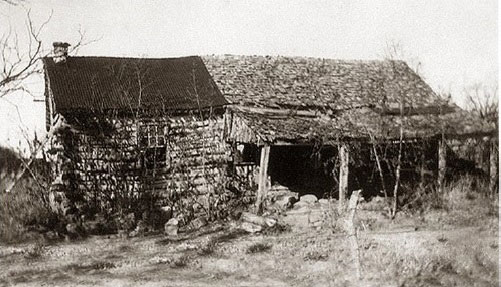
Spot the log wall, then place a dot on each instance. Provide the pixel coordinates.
(178, 161)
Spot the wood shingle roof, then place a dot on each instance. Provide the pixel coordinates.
(297, 99)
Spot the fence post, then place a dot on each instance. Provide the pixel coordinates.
(493, 165)
(442, 163)
(344, 158)
(263, 175)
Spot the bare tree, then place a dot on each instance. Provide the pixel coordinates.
(12, 2)
(19, 61)
(393, 52)
(483, 101)
(21, 53)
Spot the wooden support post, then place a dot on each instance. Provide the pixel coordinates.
(344, 159)
(493, 165)
(442, 164)
(263, 176)
(422, 168)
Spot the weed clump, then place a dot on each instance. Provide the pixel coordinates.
(34, 252)
(207, 249)
(315, 256)
(180, 262)
(258, 248)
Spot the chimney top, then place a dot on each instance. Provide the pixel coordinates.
(61, 44)
(60, 52)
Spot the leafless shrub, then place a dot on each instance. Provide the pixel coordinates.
(483, 101)
(180, 262)
(315, 256)
(207, 248)
(87, 267)
(26, 207)
(35, 251)
(276, 229)
(258, 247)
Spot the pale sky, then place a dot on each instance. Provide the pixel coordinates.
(455, 41)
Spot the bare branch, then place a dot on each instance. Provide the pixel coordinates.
(12, 2)
(483, 101)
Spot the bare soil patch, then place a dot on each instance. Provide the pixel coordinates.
(225, 256)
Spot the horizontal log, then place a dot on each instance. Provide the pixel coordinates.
(277, 112)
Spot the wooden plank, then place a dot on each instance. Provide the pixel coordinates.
(263, 175)
(411, 111)
(344, 158)
(277, 112)
(442, 163)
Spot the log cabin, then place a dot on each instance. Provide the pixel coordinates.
(130, 130)
(183, 128)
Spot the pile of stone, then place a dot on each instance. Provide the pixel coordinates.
(253, 223)
(308, 212)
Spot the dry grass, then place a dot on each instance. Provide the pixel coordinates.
(20, 209)
(258, 247)
(458, 257)
(316, 256)
(456, 245)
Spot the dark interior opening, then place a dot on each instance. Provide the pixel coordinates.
(303, 169)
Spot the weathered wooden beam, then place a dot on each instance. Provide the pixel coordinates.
(344, 159)
(277, 112)
(262, 179)
(442, 163)
(422, 166)
(493, 165)
(411, 111)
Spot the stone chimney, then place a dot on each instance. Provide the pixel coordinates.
(60, 52)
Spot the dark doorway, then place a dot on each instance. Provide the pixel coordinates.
(303, 169)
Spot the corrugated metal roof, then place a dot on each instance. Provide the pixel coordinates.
(105, 83)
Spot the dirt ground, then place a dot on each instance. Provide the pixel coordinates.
(223, 255)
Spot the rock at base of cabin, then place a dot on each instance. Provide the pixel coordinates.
(300, 205)
(258, 220)
(323, 201)
(315, 218)
(286, 202)
(140, 229)
(72, 229)
(171, 227)
(270, 222)
(250, 227)
(198, 223)
(166, 212)
(308, 198)
(284, 198)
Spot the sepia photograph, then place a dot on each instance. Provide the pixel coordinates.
(249, 143)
